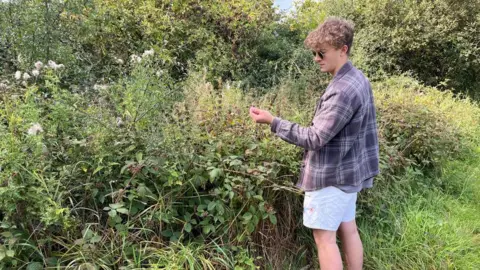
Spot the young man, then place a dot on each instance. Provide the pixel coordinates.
(341, 146)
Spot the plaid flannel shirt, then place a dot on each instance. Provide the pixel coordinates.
(341, 145)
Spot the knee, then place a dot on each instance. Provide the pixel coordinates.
(324, 238)
(348, 229)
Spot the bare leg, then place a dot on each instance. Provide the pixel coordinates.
(351, 245)
(328, 252)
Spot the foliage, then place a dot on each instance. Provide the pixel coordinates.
(434, 40)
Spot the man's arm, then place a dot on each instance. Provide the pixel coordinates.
(335, 112)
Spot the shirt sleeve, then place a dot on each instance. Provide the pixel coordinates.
(334, 113)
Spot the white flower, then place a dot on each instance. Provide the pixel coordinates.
(52, 64)
(38, 65)
(26, 76)
(3, 86)
(118, 61)
(159, 73)
(148, 53)
(20, 58)
(100, 87)
(34, 129)
(18, 75)
(135, 58)
(35, 72)
(119, 121)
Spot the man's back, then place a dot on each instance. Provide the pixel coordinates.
(341, 144)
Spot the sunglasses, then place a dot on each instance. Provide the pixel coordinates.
(319, 54)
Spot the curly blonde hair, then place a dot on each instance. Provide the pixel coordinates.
(334, 31)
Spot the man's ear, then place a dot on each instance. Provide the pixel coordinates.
(345, 49)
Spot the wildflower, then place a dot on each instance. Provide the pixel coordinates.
(34, 129)
(100, 87)
(135, 58)
(148, 53)
(35, 72)
(159, 73)
(119, 121)
(38, 65)
(20, 58)
(26, 76)
(118, 61)
(54, 65)
(18, 75)
(51, 64)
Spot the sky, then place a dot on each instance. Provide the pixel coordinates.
(283, 4)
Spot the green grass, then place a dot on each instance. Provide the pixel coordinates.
(435, 228)
(416, 222)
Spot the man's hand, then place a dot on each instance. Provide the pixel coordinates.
(261, 116)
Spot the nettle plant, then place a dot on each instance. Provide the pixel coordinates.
(143, 156)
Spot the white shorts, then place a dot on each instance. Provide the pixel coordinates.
(328, 207)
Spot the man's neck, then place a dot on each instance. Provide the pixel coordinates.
(339, 66)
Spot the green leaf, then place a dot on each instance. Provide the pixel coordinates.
(122, 210)
(7, 234)
(96, 239)
(206, 229)
(273, 219)
(130, 148)
(87, 233)
(247, 216)
(116, 205)
(211, 206)
(250, 227)
(51, 261)
(215, 173)
(220, 209)
(261, 206)
(188, 227)
(139, 156)
(117, 219)
(98, 169)
(2, 254)
(235, 162)
(112, 213)
(133, 210)
(35, 266)
(258, 197)
(142, 190)
(167, 233)
(121, 227)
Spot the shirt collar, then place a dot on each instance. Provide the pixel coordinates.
(343, 70)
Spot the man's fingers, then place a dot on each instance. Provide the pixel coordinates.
(254, 110)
